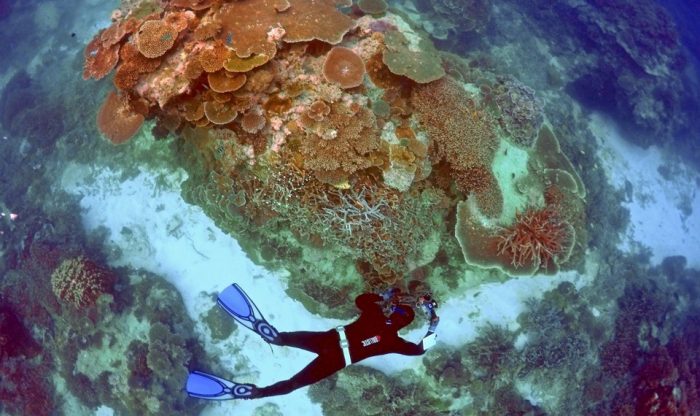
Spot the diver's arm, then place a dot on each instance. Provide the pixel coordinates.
(430, 337)
(404, 347)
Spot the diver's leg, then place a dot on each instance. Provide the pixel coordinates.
(306, 340)
(321, 367)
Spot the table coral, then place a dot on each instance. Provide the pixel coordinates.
(155, 38)
(117, 120)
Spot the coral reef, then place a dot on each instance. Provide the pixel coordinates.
(624, 58)
(447, 18)
(288, 144)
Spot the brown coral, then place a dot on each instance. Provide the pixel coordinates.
(117, 121)
(222, 82)
(155, 38)
(422, 65)
(318, 110)
(219, 113)
(372, 6)
(80, 282)
(252, 122)
(246, 23)
(193, 4)
(342, 145)
(344, 67)
(461, 135)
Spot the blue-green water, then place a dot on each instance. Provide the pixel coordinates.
(434, 172)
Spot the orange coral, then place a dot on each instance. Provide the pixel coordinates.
(460, 135)
(308, 20)
(475, 178)
(260, 80)
(117, 121)
(212, 58)
(99, 59)
(126, 77)
(207, 29)
(115, 33)
(235, 63)
(343, 67)
(155, 38)
(179, 20)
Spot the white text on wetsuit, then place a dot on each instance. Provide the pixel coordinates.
(369, 341)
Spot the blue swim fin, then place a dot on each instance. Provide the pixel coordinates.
(237, 303)
(206, 386)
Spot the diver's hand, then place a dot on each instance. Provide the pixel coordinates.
(428, 340)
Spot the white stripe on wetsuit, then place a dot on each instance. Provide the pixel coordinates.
(344, 345)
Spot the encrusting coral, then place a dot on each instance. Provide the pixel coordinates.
(285, 139)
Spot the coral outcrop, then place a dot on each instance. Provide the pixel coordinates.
(340, 142)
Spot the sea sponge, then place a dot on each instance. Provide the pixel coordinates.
(155, 38)
(344, 67)
(80, 281)
(117, 121)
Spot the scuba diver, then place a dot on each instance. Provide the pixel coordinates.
(372, 334)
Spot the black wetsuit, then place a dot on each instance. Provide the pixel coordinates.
(370, 335)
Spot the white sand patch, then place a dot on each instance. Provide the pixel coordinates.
(151, 227)
(665, 213)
